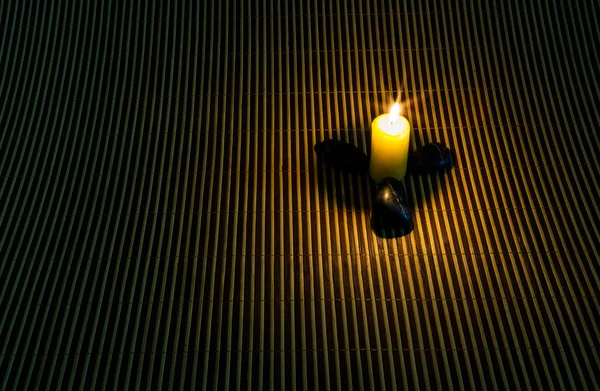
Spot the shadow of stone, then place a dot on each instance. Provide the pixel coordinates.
(344, 190)
(424, 186)
(342, 174)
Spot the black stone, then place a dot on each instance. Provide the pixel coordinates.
(391, 205)
(342, 156)
(429, 159)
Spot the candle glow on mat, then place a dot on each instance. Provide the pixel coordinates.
(390, 137)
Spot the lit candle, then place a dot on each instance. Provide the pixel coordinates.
(390, 136)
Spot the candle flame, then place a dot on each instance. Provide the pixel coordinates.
(394, 112)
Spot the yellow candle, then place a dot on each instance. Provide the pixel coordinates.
(390, 136)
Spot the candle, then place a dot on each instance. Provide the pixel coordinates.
(390, 136)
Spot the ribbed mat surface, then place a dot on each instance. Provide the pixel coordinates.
(164, 220)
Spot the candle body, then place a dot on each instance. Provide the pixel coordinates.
(389, 147)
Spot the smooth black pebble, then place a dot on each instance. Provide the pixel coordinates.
(342, 156)
(391, 204)
(431, 158)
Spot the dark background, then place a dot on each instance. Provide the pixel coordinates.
(164, 220)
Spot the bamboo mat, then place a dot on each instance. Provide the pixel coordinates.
(164, 221)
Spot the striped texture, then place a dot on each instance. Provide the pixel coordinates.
(164, 221)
